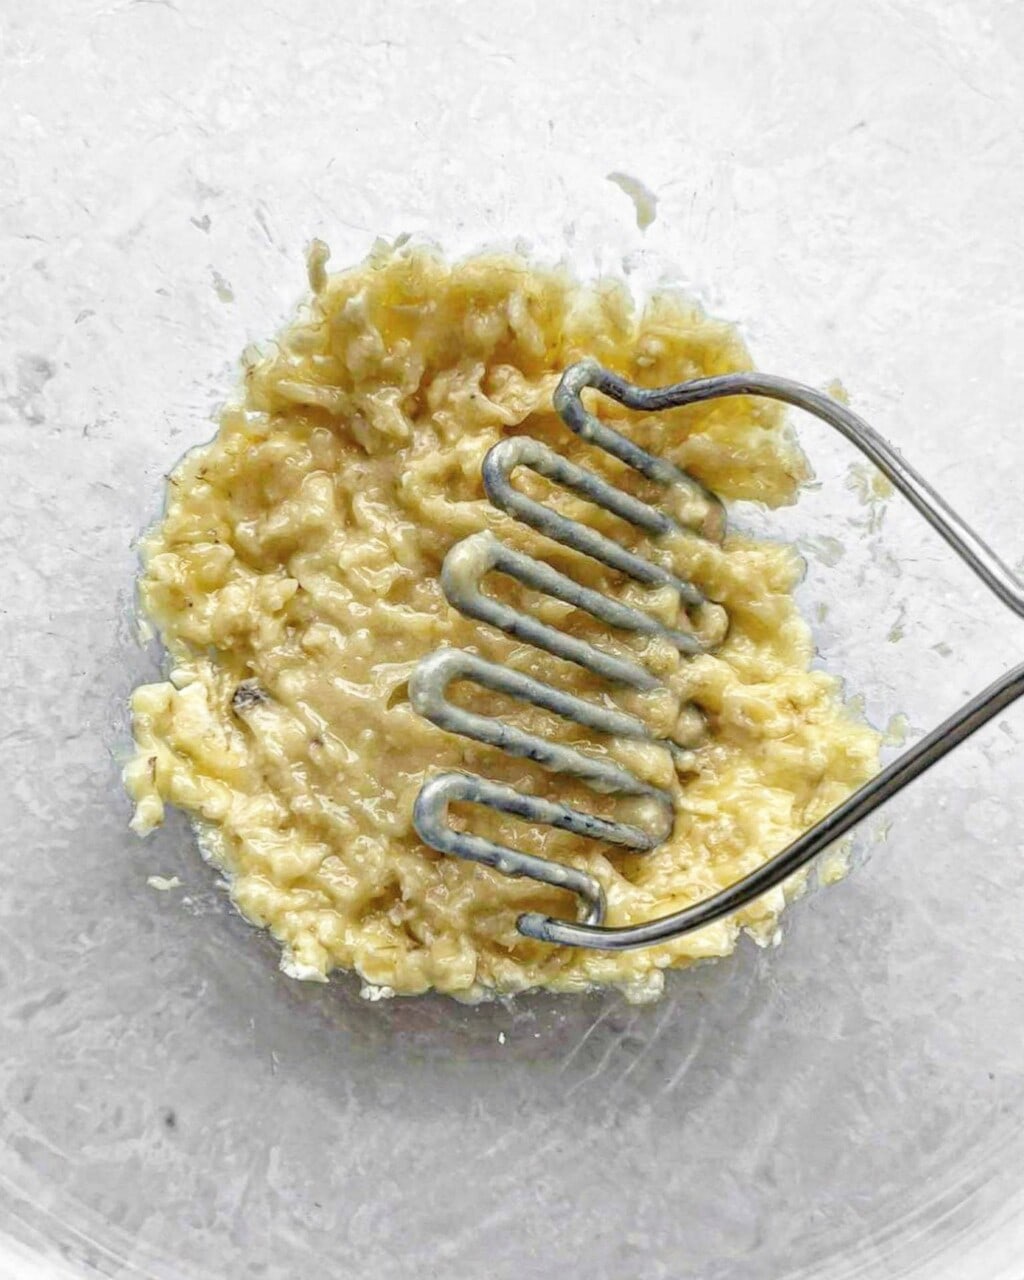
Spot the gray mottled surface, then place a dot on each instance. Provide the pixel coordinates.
(849, 180)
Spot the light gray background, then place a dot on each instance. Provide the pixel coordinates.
(847, 180)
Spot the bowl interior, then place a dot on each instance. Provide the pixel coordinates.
(848, 184)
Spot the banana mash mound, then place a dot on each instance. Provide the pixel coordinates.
(294, 581)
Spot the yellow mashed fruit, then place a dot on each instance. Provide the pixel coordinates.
(294, 580)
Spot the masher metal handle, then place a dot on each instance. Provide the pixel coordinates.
(971, 548)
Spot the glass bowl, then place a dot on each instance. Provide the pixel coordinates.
(848, 183)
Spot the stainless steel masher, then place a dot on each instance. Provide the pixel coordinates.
(469, 562)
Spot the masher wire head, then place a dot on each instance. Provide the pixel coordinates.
(470, 561)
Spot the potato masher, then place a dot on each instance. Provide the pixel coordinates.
(469, 561)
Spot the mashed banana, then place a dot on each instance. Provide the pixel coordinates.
(294, 581)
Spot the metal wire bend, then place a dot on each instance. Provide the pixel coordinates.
(910, 765)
